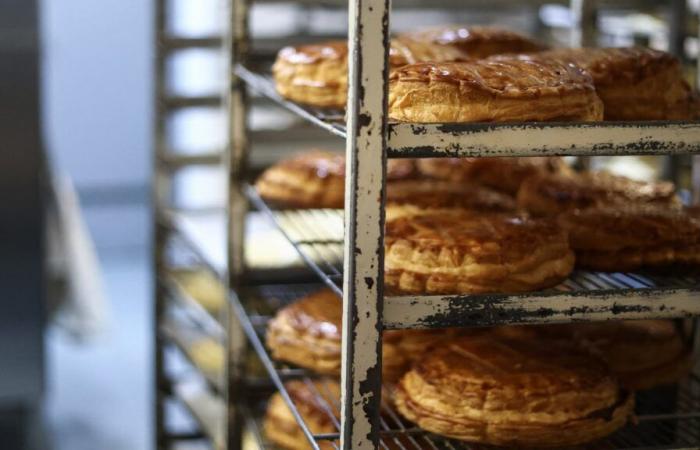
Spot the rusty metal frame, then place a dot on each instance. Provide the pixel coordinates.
(368, 43)
(539, 139)
(236, 162)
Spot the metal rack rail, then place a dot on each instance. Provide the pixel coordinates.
(345, 261)
(504, 139)
(318, 237)
(370, 138)
(661, 424)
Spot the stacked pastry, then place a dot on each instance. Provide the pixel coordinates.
(317, 74)
(493, 225)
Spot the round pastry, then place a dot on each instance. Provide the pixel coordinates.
(634, 83)
(476, 41)
(641, 353)
(317, 74)
(492, 90)
(307, 333)
(317, 403)
(411, 196)
(629, 237)
(316, 179)
(513, 392)
(458, 252)
(503, 174)
(551, 194)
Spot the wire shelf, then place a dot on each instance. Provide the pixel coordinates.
(668, 417)
(504, 139)
(318, 237)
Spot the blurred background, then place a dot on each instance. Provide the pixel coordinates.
(78, 104)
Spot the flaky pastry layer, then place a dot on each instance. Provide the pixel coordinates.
(504, 174)
(552, 194)
(455, 252)
(317, 74)
(307, 333)
(316, 179)
(436, 194)
(628, 237)
(318, 406)
(634, 83)
(515, 393)
(492, 90)
(641, 353)
(476, 41)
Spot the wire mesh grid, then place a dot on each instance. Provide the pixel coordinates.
(332, 120)
(667, 417)
(317, 234)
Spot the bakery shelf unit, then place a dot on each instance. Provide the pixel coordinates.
(345, 251)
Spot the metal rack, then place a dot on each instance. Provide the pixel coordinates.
(351, 263)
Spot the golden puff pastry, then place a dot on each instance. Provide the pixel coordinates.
(316, 179)
(551, 194)
(504, 174)
(629, 237)
(307, 333)
(456, 252)
(641, 353)
(422, 195)
(317, 403)
(476, 41)
(317, 74)
(634, 83)
(514, 393)
(492, 90)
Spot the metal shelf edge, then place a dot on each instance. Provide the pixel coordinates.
(543, 139)
(480, 310)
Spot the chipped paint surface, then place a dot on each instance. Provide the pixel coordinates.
(540, 139)
(449, 311)
(364, 224)
(235, 161)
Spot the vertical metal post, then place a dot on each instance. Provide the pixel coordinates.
(584, 16)
(584, 21)
(364, 223)
(236, 160)
(676, 27)
(678, 9)
(160, 189)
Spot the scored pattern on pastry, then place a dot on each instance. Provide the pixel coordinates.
(456, 252)
(492, 90)
(503, 174)
(519, 392)
(307, 333)
(476, 41)
(551, 194)
(634, 83)
(629, 237)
